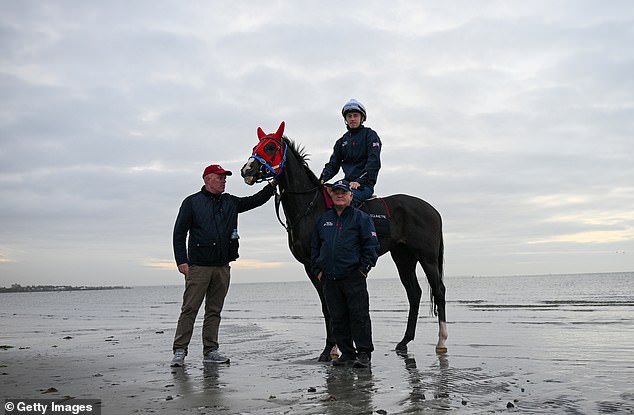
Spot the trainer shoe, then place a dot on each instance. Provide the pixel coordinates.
(215, 357)
(362, 361)
(179, 358)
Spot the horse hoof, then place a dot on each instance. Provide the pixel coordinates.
(441, 349)
(401, 347)
(324, 357)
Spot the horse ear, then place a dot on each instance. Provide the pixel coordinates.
(261, 133)
(280, 131)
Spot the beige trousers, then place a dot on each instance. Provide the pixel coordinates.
(202, 283)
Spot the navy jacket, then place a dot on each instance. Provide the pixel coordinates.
(358, 152)
(210, 221)
(342, 246)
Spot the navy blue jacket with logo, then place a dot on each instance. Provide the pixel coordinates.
(210, 221)
(358, 152)
(342, 246)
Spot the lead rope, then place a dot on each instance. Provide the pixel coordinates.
(278, 200)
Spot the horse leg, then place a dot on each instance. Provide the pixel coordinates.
(330, 349)
(406, 266)
(438, 302)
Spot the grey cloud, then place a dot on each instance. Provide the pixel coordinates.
(513, 120)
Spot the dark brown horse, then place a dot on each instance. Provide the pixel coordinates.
(414, 235)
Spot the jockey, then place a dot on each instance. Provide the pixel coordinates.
(357, 152)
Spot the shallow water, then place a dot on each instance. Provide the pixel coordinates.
(545, 344)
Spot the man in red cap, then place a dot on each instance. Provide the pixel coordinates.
(210, 218)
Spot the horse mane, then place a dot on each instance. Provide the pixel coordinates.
(301, 155)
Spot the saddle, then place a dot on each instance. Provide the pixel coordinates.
(376, 208)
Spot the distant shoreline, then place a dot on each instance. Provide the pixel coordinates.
(304, 280)
(17, 288)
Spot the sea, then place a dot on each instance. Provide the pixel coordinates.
(529, 344)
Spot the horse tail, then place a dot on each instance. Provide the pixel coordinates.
(433, 307)
(441, 258)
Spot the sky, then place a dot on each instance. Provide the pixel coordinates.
(515, 119)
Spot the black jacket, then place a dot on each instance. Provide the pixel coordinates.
(212, 224)
(358, 152)
(342, 246)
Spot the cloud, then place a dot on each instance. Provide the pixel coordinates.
(240, 263)
(256, 264)
(513, 119)
(592, 237)
(160, 264)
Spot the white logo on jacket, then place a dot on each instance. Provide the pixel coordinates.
(328, 223)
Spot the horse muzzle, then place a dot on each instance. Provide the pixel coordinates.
(250, 171)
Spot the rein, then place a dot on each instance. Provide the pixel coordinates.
(278, 200)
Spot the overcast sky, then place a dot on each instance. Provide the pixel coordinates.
(515, 119)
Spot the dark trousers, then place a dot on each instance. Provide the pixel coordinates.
(359, 195)
(349, 307)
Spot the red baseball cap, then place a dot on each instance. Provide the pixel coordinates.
(216, 169)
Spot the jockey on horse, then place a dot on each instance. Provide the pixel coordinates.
(358, 152)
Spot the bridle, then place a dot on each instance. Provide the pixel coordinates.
(272, 164)
(268, 152)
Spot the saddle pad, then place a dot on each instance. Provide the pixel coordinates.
(380, 214)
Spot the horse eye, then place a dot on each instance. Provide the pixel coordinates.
(270, 149)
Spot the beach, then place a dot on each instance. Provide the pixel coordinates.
(523, 344)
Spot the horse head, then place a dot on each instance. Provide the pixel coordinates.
(267, 158)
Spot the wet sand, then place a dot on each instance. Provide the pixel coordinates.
(500, 359)
(130, 373)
